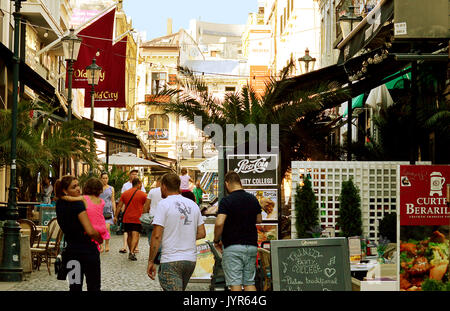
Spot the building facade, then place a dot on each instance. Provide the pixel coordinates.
(42, 74)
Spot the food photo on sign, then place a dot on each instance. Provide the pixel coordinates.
(267, 232)
(268, 199)
(424, 228)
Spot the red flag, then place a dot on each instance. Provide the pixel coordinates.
(110, 91)
(96, 37)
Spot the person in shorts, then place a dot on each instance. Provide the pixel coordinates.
(177, 225)
(236, 235)
(135, 199)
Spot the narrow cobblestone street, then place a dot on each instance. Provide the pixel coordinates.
(118, 274)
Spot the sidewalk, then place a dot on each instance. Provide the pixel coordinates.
(118, 273)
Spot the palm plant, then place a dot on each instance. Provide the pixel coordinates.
(295, 110)
(41, 145)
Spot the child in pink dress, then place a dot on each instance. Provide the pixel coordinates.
(94, 206)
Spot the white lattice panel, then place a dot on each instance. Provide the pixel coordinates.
(377, 182)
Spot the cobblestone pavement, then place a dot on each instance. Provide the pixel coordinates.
(118, 273)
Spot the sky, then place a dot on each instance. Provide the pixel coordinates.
(151, 15)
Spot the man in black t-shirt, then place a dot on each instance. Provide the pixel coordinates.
(235, 229)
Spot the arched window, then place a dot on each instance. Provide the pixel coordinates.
(159, 121)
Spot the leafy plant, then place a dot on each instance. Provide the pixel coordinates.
(117, 178)
(349, 221)
(315, 231)
(41, 144)
(306, 210)
(295, 110)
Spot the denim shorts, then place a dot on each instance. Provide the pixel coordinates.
(239, 264)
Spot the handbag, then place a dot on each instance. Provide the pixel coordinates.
(146, 219)
(121, 214)
(107, 215)
(61, 264)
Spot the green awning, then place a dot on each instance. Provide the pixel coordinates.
(398, 82)
(357, 102)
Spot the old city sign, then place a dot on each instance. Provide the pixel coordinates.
(255, 170)
(423, 199)
(81, 75)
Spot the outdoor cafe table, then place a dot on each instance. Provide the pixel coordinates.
(359, 270)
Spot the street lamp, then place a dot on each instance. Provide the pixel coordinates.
(71, 46)
(346, 21)
(10, 268)
(123, 116)
(93, 76)
(306, 59)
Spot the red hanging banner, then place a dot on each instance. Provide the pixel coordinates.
(96, 37)
(110, 91)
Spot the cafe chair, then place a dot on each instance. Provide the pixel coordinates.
(46, 251)
(28, 225)
(218, 276)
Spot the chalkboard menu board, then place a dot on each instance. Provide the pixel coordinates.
(47, 213)
(311, 265)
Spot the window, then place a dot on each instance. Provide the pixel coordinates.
(159, 121)
(230, 89)
(158, 82)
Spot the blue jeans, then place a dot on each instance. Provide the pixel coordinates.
(239, 264)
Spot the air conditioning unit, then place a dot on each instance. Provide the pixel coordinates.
(419, 19)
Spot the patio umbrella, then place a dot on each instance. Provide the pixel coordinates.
(130, 159)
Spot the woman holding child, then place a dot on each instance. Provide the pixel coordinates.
(80, 235)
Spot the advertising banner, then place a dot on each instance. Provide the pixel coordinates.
(255, 170)
(110, 91)
(259, 76)
(97, 42)
(205, 258)
(97, 37)
(423, 195)
(424, 227)
(154, 133)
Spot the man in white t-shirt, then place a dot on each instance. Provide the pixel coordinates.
(127, 186)
(178, 223)
(153, 198)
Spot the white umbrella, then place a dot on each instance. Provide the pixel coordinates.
(379, 97)
(129, 159)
